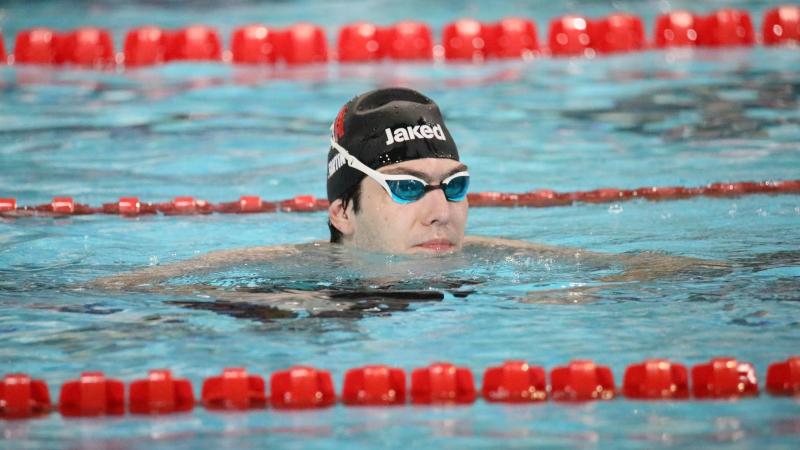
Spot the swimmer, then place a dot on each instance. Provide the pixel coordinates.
(396, 185)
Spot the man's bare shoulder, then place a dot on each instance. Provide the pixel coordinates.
(503, 242)
(515, 245)
(638, 266)
(148, 277)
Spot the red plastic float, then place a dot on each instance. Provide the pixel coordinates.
(254, 44)
(514, 38)
(36, 46)
(360, 42)
(91, 47)
(194, 43)
(514, 382)
(442, 383)
(601, 196)
(92, 395)
(724, 378)
(374, 386)
(581, 380)
(186, 206)
(129, 206)
(250, 203)
(783, 378)
(656, 379)
(235, 389)
(304, 43)
(159, 393)
(8, 204)
(409, 41)
(301, 387)
(618, 33)
(781, 25)
(542, 198)
(676, 29)
(22, 398)
(725, 28)
(569, 36)
(245, 205)
(62, 205)
(145, 46)
(493, 199)
(303, 203)
(2, 50)
(466, 40)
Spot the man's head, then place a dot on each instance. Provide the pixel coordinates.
(395, 182)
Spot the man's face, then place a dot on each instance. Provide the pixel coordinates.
(430, 225)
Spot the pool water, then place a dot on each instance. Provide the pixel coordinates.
(216, 132)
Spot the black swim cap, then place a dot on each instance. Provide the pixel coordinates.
(383, 127)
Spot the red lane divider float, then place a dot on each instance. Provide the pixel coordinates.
(374, 386)
(235, 389)
(723, 378)
(442, 383)
(409, 41)
(514, 382)
(656, 379)
(22, 397)
(726, 28)
(132, 206)
(582, 380)
(783, 378)
(301, 387)
(676, 29)
(92, 395)
(145, 46)
(194, 43)
(461, 40)
(36, 46)
(781, 25)
(89, 47)
(159, 393)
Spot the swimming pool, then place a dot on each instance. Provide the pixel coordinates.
(218, 131)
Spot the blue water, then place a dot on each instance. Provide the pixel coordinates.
(218, 132)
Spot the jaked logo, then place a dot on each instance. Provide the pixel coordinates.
(415, 132)
(335, 164)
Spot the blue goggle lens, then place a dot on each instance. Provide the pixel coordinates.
(406, 190)
(456, 189)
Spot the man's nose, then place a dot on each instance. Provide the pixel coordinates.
(435, 208)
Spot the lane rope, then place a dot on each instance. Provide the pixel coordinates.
(441, 383)
(248, 204)
(463, 40)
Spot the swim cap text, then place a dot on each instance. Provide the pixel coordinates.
(415, 132)
(335, 164)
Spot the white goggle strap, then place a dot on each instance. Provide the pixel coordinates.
(353, 162)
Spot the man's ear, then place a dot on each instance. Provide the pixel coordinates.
(341, 217)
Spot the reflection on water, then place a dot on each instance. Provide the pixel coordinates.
(705, 112)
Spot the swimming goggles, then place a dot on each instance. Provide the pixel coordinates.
(408, 188)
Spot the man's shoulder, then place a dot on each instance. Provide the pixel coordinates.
(264, 252)
(503, 242)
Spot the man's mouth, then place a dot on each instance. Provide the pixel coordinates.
(437, 245)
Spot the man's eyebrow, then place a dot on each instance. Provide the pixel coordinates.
(422, 175)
